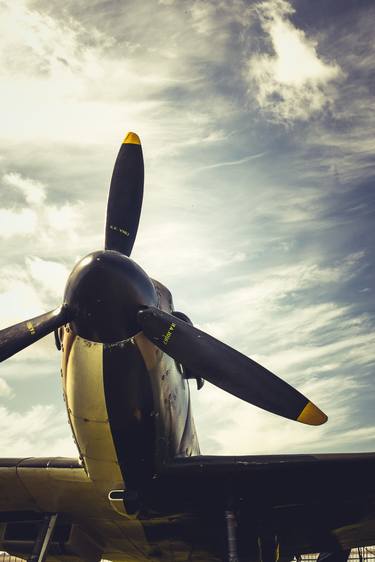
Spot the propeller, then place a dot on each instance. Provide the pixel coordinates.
(226, 368)
(22, 335)
(123, 213)
(197, 351)
(125, 197)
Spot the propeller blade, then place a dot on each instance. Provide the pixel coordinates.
(226, 368)
(22, 335)
(125, 197)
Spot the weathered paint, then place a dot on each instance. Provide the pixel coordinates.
(128, 405)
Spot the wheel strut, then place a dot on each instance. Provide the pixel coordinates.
(231, 522)
(43, 539)
(268, 548)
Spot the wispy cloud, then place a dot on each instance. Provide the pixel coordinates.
(34, 218)
(38, 431)
(313, 345)
(17, 223)
(232, 162)
(29, 290)
(293, 83)
(253, 431)
(33, 191)
(5, 389)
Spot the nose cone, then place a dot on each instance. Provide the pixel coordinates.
(105, 291)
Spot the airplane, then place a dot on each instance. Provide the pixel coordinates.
(141, 489)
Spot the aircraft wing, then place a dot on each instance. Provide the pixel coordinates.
(311, 502)
(87, 526)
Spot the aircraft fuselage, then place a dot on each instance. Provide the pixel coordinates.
(128, 402)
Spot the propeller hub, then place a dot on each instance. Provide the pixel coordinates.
(105, 291)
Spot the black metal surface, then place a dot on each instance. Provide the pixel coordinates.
(188, 374)
(246, 463)
(130, 407)
(302, 499)
(41, 462)
(125, 199)
(105, 291)
(265, 481)
(220, 364)
(20, 516)
(18, 337)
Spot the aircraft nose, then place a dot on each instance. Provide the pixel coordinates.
(105, 291)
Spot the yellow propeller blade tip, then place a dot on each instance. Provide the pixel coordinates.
(311, 415)
(131, 138)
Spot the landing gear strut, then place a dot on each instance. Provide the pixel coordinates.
(43, 539)
(231, 522)
(268, 548)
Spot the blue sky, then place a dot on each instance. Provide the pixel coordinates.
(257, 124)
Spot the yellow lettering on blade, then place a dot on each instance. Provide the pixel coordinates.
(31, 328)
(168, 335)
(119, 229)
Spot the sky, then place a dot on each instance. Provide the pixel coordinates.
(257, 121)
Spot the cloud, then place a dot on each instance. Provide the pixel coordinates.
(17, 223)
(245, 429)
(78, 73)
(315, 346)
(64, 218)
(340, 149)
(202, 14)
(5, 389)
(33, 191)
(232, 162)
(18, 298)
(29, 290)
(38, 431)
(49, 277)
(32, 284)
(293, 83)
(38, 220)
